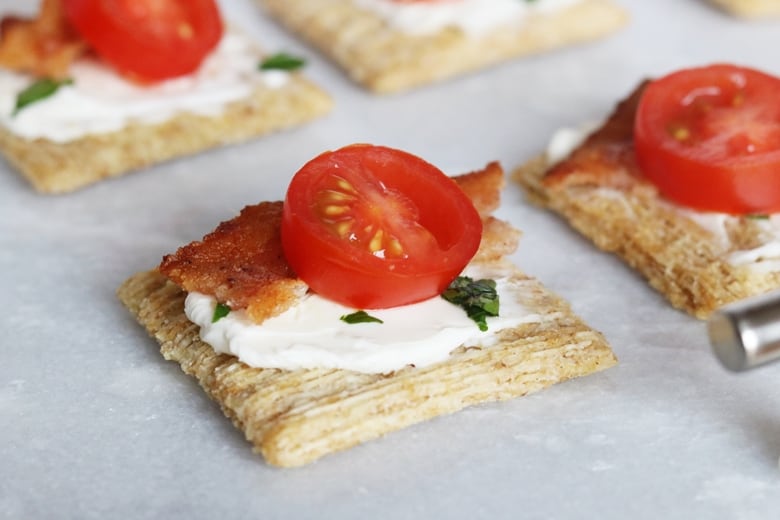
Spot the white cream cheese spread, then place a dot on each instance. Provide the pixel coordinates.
(764, 258)
(100, 101)
(474, 17)
(312, 335)
(565, 140)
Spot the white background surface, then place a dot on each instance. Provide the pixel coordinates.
(94, 424)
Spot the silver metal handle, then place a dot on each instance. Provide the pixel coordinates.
(746, 334)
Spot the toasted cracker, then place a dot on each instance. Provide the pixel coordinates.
(600, 191)
(295, 417)
(386, 60)
(750, 8)
(54, 167)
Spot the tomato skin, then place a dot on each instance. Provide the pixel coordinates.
(148, 40)
(709, 139)
(437, 225)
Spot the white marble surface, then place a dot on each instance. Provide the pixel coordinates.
(94, 424)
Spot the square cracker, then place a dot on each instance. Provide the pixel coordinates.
(606, 199)
(295, 417)
(386, 60)
(750, 8)
(53, 167)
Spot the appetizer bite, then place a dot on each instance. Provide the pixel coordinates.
(91, 89)
(750, 8)
(681, 182)
(377, 295)
(394, 45)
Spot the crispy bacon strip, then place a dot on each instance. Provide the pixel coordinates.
(606, 158)
(242, 263)
(483, 187)
(44, 46)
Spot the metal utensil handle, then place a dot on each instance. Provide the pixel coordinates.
(746, 334)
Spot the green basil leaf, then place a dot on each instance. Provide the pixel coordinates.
(39, 90)
(220, 311)
(757, 216)
(360, 317)
(478, 298)
(282, 61)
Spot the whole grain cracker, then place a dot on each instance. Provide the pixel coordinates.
(685, 262)
(295, 417)
(54, 167)
(386, 60)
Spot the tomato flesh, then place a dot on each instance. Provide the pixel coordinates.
(148, 40)
(709, 138)
(373, 227)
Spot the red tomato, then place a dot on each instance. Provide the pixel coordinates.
(373, 227)
(709, 138)
(148, 40)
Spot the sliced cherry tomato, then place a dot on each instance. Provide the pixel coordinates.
(709, 138)
(148, 40)
(374, 227)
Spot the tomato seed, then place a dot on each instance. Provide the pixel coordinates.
(185, 31)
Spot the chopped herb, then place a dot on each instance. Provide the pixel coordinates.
(360, 317)
(39, 90)
(757, 216)
(282, 61)
(477, 297)
(220, 311)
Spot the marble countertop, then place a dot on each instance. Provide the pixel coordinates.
(95, 424)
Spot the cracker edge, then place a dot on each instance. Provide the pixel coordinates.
(676, 256)
(54, 168)
(749, 8)
(295, 417)
(388, 61)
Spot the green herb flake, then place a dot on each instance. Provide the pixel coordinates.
(477, 297)
(220, 311)
(282, 61)
(757, 216)
(360, 317)
(38, 91)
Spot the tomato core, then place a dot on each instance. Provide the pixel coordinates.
(374, 227)
(709, 138)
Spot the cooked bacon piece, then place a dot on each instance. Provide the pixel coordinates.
(499, 238)
(606, 158)
(44, 46)
(240, 263)
(483, 187)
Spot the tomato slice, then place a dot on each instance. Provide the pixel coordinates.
(148, 40)
(373, 227)
(709, 138)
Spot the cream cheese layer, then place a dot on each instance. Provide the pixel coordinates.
(100, 101)
(312, 335)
